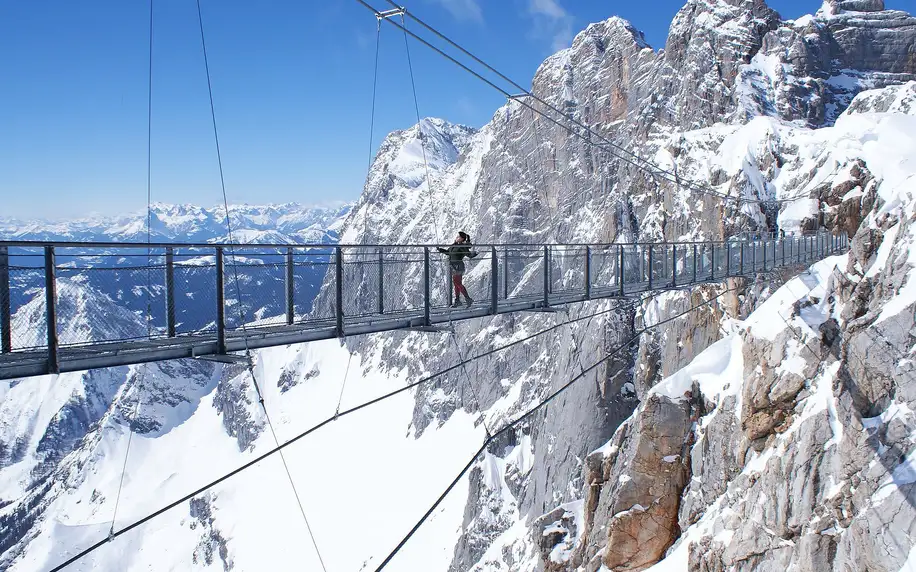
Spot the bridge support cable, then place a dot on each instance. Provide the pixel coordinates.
(344, 384)
(584, 132)
(149, 264)
(511, 424)
(378, 37)
(279, 448)
(470, 382)
(416, 105)
(544, 182)
(238, 291)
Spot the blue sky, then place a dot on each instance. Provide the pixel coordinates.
(292, 86)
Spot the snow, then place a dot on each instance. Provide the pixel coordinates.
(331, 469)
(905, 297)
(910, 564)
(719, 370)
(562, 551)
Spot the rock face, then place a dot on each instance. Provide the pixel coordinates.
(634, 486)
(811, 69)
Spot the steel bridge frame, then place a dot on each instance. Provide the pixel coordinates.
(628, 270)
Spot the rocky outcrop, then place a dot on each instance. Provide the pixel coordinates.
(212, 544)
(812, 68)
(236, 401)
(634, 486)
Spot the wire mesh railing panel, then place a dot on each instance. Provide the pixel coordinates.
(102, 304)
(363, 281)
(566, 272)
(604, 267)
(28, 313)
(195, 294)
(477, 278)
(402, 279)
(310, 270)
(525, 269)
(255, 292)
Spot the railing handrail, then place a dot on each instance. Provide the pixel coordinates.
(40, 244)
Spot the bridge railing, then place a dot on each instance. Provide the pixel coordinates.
(110, 293)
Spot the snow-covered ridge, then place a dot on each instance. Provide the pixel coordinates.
(280, 223)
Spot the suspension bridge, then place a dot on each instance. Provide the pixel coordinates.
(69, 307)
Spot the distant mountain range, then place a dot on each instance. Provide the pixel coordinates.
(281, 223)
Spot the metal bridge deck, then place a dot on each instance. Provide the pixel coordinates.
(554, 276)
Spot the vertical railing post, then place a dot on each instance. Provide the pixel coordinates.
(694, 263)
(741, 258)
(546, 276)
(549, 271)
(170, 291)
(664, 261)
(651, 248)
(754, 258)
(506, 273)
(494, 281)
(220, 302)
(728, 258)
(712, 260)
(51, 309)
(782, 246)
(588, 272)
(290, 288)
(381, 281)
(673, 264)
(764, 243)
(6, 329)
(426, 289)
(620, 268)
(339, 278)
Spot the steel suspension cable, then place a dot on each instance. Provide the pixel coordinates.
(378, 37)
(539, 157)
(470, 382)
(533, 410)
(240, 305)
(149, 264)
(320, 425)
(416, 104)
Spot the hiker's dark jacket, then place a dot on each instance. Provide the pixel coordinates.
(456, 254)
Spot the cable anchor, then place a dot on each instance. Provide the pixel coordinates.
(385, 14)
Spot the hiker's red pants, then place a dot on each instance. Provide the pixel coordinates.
(459, 287)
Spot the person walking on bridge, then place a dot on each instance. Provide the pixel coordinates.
(456, 253)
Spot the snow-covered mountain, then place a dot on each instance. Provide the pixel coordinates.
(277, 224)
(770, 430)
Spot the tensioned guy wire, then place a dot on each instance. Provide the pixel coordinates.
(149, 264)
(239, 305)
